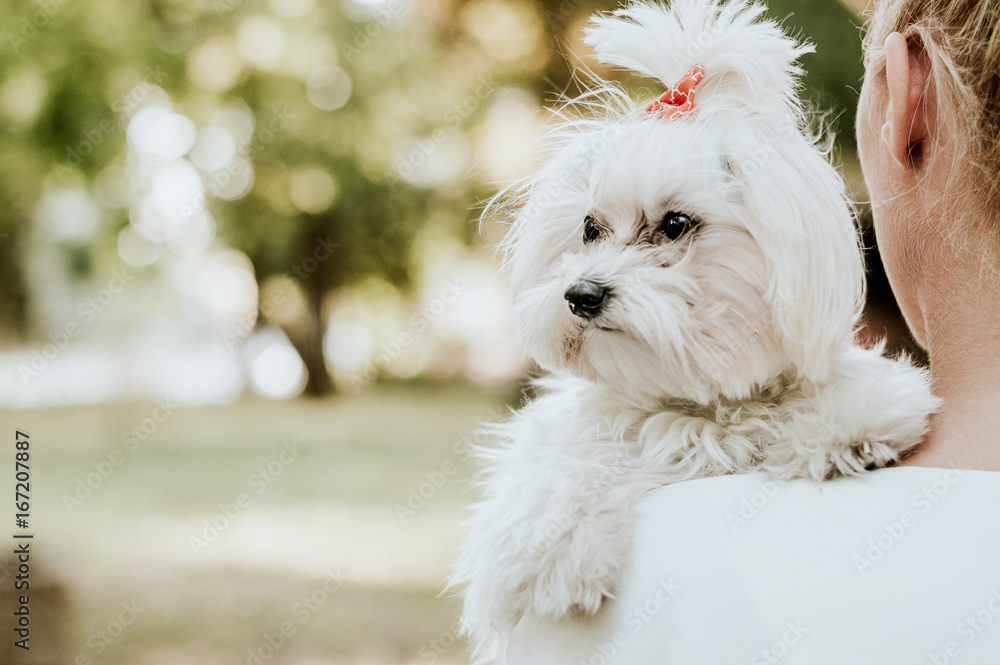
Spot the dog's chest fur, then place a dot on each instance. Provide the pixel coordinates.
(669, 441)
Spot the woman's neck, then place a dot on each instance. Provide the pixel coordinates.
(963, 341)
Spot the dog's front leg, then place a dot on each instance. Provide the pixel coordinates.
(551, 535)
(578, 547)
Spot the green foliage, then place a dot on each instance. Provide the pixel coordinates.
(86, 56)
(78, 62)
(834, 72)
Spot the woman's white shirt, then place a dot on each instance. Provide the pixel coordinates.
(899, 566)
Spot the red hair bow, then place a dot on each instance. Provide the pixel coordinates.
(679, 99)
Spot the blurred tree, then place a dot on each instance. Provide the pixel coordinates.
(361, 114)
(348, 120)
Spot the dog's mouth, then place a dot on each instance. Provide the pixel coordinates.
(574, 339)
(582, 327)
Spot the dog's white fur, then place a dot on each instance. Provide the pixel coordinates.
(728, 350)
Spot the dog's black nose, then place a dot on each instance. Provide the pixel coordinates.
(586, 298)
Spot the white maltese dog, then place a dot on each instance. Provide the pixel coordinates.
(689, 273)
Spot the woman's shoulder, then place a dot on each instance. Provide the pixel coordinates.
(848, 524)
(898, 565)
(737, 502)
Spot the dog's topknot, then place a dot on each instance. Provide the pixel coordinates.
(748, 61)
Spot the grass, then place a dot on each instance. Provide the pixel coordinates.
(330, 509)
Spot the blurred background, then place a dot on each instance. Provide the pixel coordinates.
(250, 319)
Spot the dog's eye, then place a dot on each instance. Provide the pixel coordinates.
(677, 224)
(591, 231)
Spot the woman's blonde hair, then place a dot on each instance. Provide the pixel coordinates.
(962, 41)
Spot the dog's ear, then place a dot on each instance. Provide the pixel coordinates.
(801, 219)
(546, 205)
(747, 61)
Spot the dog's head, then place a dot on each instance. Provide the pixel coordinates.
(687, 251)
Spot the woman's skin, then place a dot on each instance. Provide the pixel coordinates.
(951, 307)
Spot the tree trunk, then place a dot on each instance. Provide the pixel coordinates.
(14, 296)
(306, 334)
(311, 345)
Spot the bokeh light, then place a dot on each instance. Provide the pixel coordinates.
(312, 190)
(215, 65)
(160, 135)
(136, 249)
(328, 87)
(214, 148)
(22, 95)
(276, 370)
(348, 345)
(260, 41)
(68, 215)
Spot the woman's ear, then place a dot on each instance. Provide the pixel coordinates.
(906, 125)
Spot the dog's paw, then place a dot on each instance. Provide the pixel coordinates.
(870, 414)
(833, 460)
(582, 566)
(566, 563)
(866, 456)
